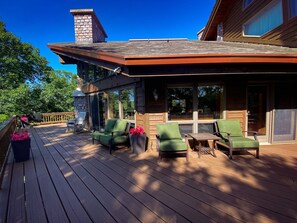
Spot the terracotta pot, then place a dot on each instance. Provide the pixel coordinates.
(138, 143)
(21, 150)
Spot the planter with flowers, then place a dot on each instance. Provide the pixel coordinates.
(21, 144)
(138, 140)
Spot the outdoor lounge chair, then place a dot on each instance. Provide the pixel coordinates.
(77, 124)
(233, 139)
(170, 142)
(116, 133)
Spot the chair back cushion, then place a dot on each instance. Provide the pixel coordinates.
(168, 131)
(110, 124)
(229, 126)
(120, 126)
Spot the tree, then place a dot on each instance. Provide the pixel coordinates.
(19, 62)
(57, 92)
(27, 83)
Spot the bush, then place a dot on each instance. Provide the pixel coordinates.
(3, 117)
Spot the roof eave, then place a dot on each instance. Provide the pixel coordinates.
(174, 59)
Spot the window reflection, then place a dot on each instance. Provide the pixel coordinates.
(113, 99)
(180, 103)
(127, 100)
(210, 102)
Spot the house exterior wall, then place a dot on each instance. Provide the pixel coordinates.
(284, 35)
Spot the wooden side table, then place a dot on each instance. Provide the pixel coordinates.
(200, 137)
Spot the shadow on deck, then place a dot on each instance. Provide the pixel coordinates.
(68, 179)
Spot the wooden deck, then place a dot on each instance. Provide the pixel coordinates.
(68, 179)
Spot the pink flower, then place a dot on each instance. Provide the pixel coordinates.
(137, 131)
(20, 136)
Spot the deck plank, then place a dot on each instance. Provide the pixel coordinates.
(51, 201)
(94, 208)
(68, 179)
(16, 211)
(6, 188)
(33, 195)
(71, 204)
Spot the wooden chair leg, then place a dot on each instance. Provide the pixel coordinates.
(257, 153)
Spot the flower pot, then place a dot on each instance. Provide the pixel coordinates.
(138, 143)
(21, 150)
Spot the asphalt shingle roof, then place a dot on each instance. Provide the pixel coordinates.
(169, 47)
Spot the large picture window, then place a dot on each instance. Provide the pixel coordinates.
(121, 104)
(266, 20)
(180, 103)
(128, 105)
(210, 102)
(113, 102)
(292, 8)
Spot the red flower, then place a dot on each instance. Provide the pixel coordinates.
(137, 131)
(20, 136)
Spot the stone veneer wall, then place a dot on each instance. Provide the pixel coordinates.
(80, 104)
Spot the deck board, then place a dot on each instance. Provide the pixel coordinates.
(68, 179)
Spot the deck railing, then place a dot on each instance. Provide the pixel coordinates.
(6, 129)
(9, 126)
(58, 117)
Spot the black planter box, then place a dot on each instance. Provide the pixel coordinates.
(138, 143)
(21, 150)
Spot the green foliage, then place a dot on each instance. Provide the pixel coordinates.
(57, 92)
(27, 83)
(19, 62)
(3, 117)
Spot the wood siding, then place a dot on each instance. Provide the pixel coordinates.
(237, 115)
(284, 35)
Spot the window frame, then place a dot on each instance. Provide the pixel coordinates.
(259, 14)
(195, 122)
(291, 16)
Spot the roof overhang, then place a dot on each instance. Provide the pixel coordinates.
(177, 59)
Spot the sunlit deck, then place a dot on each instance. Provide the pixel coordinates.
(68, 179)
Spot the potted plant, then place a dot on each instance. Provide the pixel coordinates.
(137, 139)
(21, 143)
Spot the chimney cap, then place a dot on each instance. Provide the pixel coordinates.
(81, 11)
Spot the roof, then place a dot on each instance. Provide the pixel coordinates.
(176, 51)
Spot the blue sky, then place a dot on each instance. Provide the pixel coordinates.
(40, 22)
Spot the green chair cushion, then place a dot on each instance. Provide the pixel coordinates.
(230, 126)
(120, 126)
(110, 125)
(107, 139)
(97, 135)
(173, 145)
(241, 142)
(168, 131)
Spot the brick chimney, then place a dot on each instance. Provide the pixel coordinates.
(88, 28)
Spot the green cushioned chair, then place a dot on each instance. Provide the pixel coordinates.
(233, 139)
(170, 142)
(115, 133)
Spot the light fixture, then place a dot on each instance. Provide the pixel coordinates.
(117, 70)
(155, 94)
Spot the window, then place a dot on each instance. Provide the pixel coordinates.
(121, 104)
(180, 103)
(210, 102)
(246, 3)
(266, 20)
(127, 100)
(113, 102)
(292, 8)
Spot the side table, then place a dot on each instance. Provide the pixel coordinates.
(200, 137)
